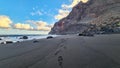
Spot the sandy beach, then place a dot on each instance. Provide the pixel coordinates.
(68, 51)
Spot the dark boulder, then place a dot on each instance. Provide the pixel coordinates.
(80, 34)
(7, 42)
(18, 41)
(49, 37)
(24, 37)
(85, 34)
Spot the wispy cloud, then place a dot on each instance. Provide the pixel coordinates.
(5, 21)
(38, 12)
(65, 9)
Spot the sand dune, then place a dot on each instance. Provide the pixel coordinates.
(100, 51)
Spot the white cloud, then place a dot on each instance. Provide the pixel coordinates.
(84, 1)
(41, 25)
(65, 10)
(62, 14)
(5, 21)
(74, 2)
(22, 26)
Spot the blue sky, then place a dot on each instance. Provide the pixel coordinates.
(38, 15)
(20, 10)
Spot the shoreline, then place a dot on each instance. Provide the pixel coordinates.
(19, 38)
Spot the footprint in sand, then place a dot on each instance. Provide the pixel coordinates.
(60, 61)
(57, 52)
(65, 47)
(35, 41)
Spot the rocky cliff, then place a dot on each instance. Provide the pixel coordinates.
(83, 15)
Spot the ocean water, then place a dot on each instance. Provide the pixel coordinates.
(16, 38)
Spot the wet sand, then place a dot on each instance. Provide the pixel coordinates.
(69, 51)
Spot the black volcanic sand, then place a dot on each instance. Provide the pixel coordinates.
(100, 51)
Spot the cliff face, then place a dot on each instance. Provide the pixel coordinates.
(83, 14)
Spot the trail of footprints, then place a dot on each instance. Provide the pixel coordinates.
(57, 53)
(60, 47)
